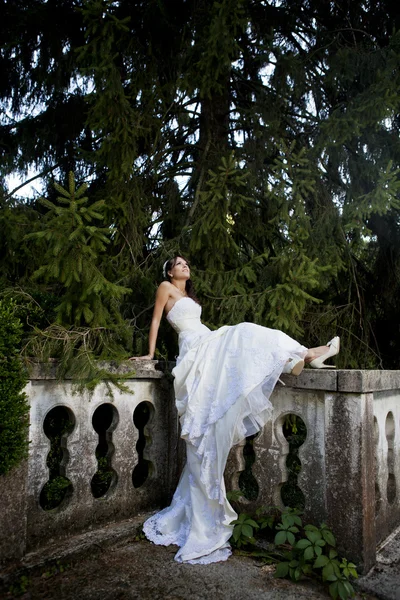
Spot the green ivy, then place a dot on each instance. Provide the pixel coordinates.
(14, 409)
(298, 550)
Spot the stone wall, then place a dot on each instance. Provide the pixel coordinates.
(349, 462)
(23, 519)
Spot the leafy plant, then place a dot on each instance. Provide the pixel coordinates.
(55, 569)
(243, 531)
(14, 409)
(20, 587)
(54, 491)
(287, 528)
(315, 554)
(298, 550)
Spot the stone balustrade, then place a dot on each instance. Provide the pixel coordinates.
(349, 471)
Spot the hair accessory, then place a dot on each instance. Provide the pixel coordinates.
(164, 269)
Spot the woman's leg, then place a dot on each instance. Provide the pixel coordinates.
(315, 353)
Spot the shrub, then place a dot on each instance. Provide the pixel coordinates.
(14, 409)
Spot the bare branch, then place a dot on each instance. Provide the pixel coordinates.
(42, 174)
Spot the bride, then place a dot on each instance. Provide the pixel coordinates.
(222, 380)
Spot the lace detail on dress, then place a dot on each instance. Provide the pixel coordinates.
(154, 525)
(219, 555)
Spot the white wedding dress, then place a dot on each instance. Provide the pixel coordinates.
(223, 380)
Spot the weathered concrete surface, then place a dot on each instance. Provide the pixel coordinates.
(112, 564)
(313, 379)
(387, 460)
(82, 510)
(384, 579)
(349, 463)
(356, 381)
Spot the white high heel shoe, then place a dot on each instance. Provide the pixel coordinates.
(294, 366)
(334, 348)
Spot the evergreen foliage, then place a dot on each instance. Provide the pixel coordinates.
(259, 139)
(73, 258)
(88, 323)
(14, 410)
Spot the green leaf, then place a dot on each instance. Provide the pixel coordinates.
(349, 588)
(282, 569)
(297, 574)
(247, 530)
(328, 537)
(327, 571)
(343, 593)
(313, 536)
(302, 544)
(280, 538)
(321, 561)
(309, 553)
(236, 533)
(333, 590)
(290, 538)
(252, 523)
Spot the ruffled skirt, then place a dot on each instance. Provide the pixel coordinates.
(223, 381)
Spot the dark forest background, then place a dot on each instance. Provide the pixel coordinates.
(260, 139)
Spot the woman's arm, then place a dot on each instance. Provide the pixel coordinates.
(162, 296)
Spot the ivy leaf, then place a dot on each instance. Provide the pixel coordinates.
(333, 590)
(252, 523)
(309, 553)
(280, 538)
(321, 561)
(247, 530)
(313, 536)
(328, 573)
(282, 569)
(328, 537)
(290, 538)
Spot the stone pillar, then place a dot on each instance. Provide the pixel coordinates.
(350, 482)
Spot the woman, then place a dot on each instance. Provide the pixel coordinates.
(223, 380)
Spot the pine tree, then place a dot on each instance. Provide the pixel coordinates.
(75, 250)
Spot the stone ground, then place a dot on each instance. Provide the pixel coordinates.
(384, 579)
(114, 563)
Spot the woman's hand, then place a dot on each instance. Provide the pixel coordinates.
(145, 357)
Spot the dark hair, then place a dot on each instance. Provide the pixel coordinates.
(189, 287)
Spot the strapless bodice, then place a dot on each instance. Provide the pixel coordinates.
(185, 316)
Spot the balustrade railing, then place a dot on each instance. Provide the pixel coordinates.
(92, 461)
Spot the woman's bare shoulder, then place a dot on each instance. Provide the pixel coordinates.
(164, 290)
(165, 286)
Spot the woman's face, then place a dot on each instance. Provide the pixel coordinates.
(180, 270)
